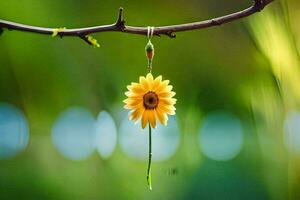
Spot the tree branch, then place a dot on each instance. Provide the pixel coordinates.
(119, 25)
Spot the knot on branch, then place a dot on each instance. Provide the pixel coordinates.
(259, 4)
(171, 34)
(120, 23)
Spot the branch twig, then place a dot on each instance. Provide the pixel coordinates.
(119, 25)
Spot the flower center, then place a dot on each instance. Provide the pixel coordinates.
(150, 100)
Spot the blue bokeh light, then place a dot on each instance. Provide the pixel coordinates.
(106, 134)
(14, 131)
(292, 134)
(73, 133)
(134, 140)
(221, 136)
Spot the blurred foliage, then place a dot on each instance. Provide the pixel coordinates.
(249, 68)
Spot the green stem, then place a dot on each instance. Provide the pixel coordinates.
(149, 65)
(149, 161)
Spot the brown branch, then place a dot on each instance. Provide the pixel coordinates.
(119, 25)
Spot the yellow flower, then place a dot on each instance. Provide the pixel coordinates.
(150, 99)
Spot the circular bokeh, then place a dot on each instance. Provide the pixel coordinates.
(14, 131)
(73, 133)
(221, 136)
(106, 134)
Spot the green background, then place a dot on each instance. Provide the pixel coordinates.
(249, 68)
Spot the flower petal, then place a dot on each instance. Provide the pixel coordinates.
(162, 86)
(156, 83)
(168, 88)
(134, 105)
(167, 101)
(144, 82)
(149, 77)
(136, 88)
(145, 119)
(133, 95)
(152, 118)
(131, 101)
(150, 80)
(162, 117)
(170, 110)
(166, 94)
(136, 114)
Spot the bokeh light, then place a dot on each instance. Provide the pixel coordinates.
(221, 136)
(292, 133)
(14, 131)
(106, 134)
(134, 140)
(73, 133)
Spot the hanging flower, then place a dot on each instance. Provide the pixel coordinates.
(150, 99)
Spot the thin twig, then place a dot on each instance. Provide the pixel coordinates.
(119, 25)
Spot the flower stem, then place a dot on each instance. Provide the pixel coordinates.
(149, 65)
(149, 160)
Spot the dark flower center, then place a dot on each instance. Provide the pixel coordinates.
(150, 100)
